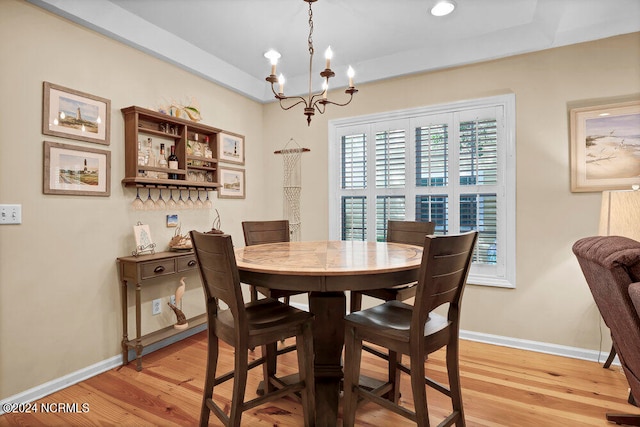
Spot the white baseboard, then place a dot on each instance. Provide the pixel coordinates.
(57, 384)
(52, 386)
(538, 347)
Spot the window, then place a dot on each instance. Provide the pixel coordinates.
(453, 164)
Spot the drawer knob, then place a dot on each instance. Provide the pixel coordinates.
(191, 263)
(159, 269)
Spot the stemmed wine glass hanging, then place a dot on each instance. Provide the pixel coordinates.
(160, 203)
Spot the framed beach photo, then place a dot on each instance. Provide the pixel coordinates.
(75, 115)
(605, 146)
(231, 148)
(232, 183)
(73, 170)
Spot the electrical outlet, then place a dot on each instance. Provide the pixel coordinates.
(10, 214)
(172, 299)
(156, 306)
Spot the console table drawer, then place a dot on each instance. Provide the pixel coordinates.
(187, 263)
(157, 268)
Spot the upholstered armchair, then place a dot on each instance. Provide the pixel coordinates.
(611, 265)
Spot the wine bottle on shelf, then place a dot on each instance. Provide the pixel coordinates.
(141, 159)
(173, 162)
(197, 150)
(150, 159)
(162, 163)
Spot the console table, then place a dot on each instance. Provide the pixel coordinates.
(139, 270)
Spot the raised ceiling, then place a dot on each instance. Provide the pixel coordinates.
(224, 40)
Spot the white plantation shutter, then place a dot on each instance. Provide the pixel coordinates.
(431, 155)
(451, 164)
(434, 208)
(354, 218)
(478, 152)
(388, 208)
(354, 161)
(390, 164)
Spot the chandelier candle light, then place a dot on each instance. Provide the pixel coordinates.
(312, 102)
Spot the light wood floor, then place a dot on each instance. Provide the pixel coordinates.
(501, 387)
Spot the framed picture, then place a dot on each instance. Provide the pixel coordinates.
(231, 148)
(75, 115)
(80, 171)
(144, 242)
(231, 183)
(605, 146)
(172, 220)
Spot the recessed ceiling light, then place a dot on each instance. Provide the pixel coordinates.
(443, 8)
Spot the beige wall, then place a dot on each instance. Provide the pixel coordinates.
(60, 305)
(59, 294)
(551, 303)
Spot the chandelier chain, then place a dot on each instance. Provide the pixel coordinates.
(310, 40)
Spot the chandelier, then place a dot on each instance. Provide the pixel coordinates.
(312, 102)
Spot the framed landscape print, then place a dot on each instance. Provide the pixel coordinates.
(605, 146)
(75, 115)
(232, 183)
(231, 148)
(73, 170)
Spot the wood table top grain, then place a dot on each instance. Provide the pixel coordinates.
(328, 258)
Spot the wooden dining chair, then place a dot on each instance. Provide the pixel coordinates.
(261, 232)
(415, 331)
(241, 325)
(411, 233)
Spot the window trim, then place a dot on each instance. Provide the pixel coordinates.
(507, 187)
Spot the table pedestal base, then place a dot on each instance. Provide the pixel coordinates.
(328, 338)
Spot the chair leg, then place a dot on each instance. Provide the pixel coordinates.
(453, 371)
(356, 302)
(394, 376)
(353, 354)
(304, 346)
(239, 386)
(212, 363)
(419, 391)
(624, 419)
(612, 355)
(269, 351)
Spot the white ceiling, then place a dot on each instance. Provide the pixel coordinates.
(224, 40)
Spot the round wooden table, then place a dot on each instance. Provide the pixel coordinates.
(326, 269)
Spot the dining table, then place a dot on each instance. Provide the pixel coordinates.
(326, 270)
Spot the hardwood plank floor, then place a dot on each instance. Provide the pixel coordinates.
(501, 387)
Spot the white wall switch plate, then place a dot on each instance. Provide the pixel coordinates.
(10, 214)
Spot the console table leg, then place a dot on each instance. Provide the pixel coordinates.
(138, 329)
(125, 323)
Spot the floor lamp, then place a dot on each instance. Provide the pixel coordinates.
(620, 216)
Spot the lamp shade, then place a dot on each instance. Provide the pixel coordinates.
(620, 214)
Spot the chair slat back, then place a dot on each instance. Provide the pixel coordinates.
(219, 273)
(443, 273)
(409, 232)
(259, 232)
